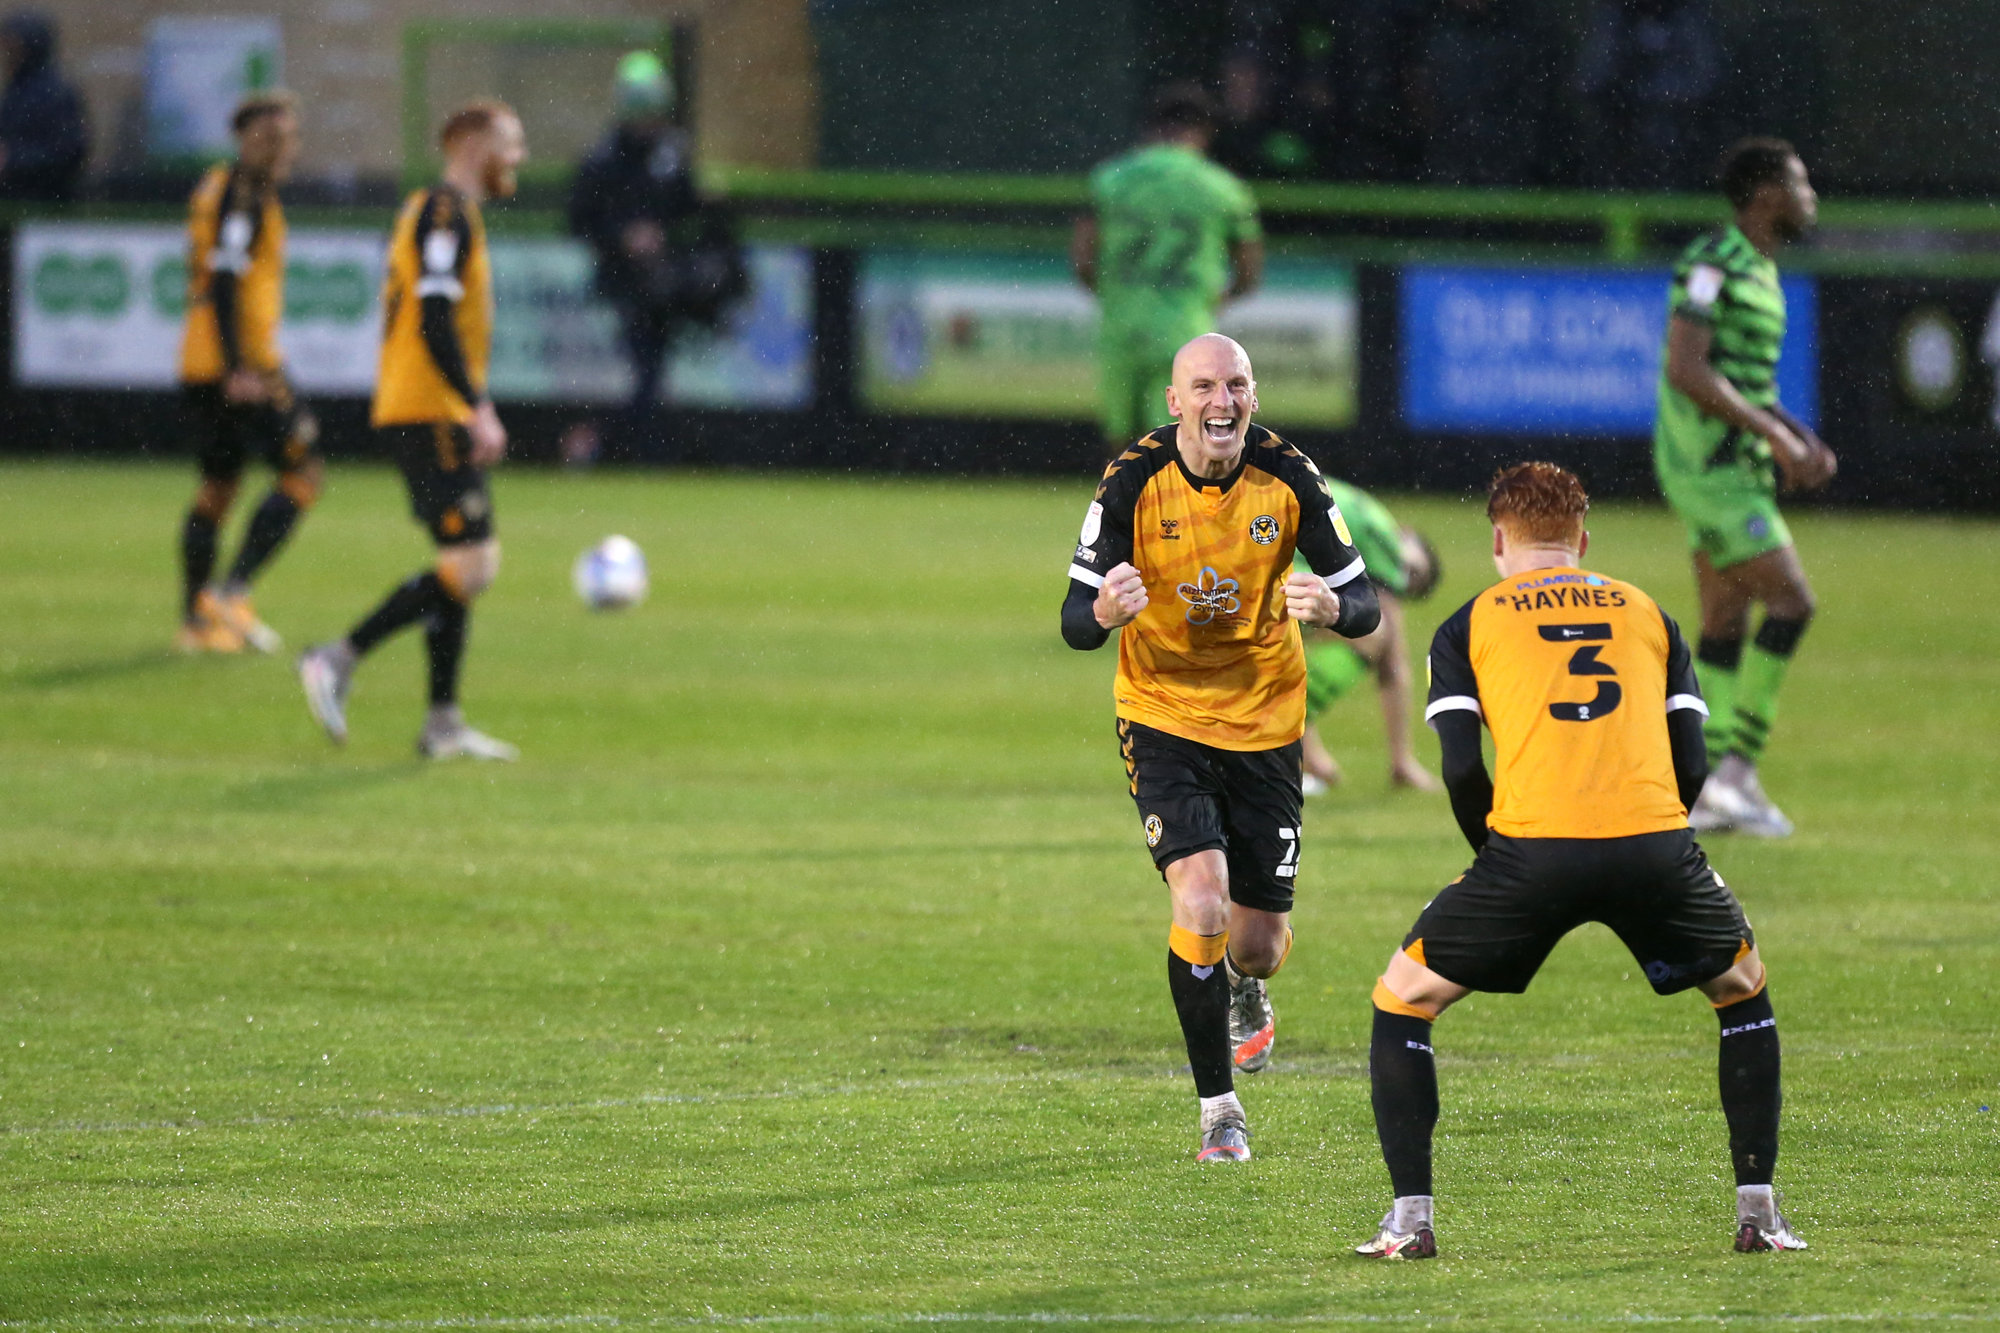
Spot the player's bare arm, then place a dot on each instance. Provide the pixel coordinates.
(1083, 250)
(1246, 267)
(1690, 372)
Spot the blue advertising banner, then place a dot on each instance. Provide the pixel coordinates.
(1561, 351)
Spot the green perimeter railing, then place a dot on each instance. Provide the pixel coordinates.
(860, 209)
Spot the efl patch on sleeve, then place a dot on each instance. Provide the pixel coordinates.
(1704, 285)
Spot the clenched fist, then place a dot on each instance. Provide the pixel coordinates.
(1122, 597)
(1309, 600)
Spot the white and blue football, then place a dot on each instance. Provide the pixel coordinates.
(611, 574)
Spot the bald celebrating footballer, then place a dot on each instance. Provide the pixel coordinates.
(1589, 691)
(1188, 549)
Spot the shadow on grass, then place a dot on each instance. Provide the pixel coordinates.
(298, 788)
(90, 671)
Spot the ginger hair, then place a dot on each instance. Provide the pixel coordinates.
(1537, 504)
(472, 118)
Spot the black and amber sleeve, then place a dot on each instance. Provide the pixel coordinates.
(444, 242)
(1686, 712)
(1454, 712)
(239, 221)
(1330, 555)
(1104, 543)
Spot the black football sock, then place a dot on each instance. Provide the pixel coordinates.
(197, 557)
(413, 600)
(269, 526)
(444, 637)
(1747, 1068)
(1402, 1077)
(1200, 988)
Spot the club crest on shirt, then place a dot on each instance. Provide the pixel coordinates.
(1209, 597)
(1153, 830)
(1263, 529)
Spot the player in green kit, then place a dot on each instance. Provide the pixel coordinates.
(1404, 567)
(1721, 446)
(1170, 237)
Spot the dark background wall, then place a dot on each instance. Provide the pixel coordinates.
(1899, 99)
(975, 85)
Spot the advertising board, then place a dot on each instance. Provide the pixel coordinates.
(997, 335)
(1559, 351)
(101, 306)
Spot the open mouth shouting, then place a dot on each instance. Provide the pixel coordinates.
(1219, 430)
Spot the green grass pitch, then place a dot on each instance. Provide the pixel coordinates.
(809, 967)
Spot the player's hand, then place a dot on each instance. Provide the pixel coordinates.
(489, 437)
(1804, 466)
(1824, 464)
(1122, 597)
(1309, 600)
(245, 386)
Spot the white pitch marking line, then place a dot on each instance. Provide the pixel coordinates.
(1049, 1317)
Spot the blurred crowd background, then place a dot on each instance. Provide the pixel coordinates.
(1636, 94)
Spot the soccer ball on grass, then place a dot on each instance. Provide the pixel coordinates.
(611, 574)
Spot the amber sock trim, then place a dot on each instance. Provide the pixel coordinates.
(1197, 950)
(1283, 955)
(1391, 1003)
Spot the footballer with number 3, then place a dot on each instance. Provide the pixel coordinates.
(1590, 693)
(1187, 550)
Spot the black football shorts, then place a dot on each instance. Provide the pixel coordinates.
(1493, 927)
(448, 494)
(1194, 797)
(225, 436)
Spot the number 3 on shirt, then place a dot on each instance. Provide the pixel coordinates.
(1583, 662)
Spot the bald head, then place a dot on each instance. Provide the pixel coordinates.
(1213, 394)
(1220, 354)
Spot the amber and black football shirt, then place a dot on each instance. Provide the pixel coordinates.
(1575, 674)
(238, 228)
(1214, 658)
(437, 250)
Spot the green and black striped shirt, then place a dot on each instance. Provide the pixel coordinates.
(1723, 281)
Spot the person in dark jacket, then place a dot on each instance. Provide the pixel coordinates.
(634, 202)
(43, 141)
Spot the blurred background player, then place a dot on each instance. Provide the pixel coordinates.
(432, 410)
(1188, 546)
(237, 398)
(666, 259)
(44, 137)
(1171, 236)
(1590, 693)
(1403, 567)
(1720, 445)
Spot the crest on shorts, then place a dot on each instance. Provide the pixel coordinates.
(1263, 529)
(1208, 597)
(1758, 527)
(1153, 830)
